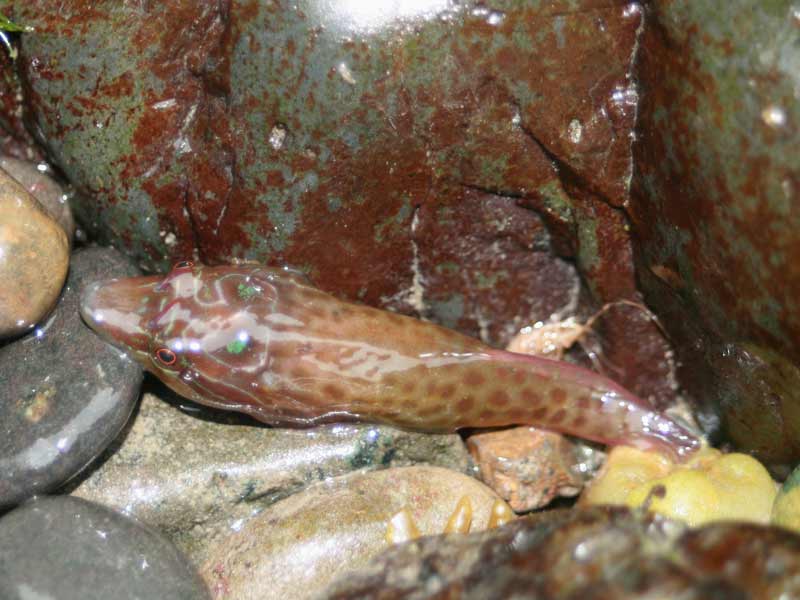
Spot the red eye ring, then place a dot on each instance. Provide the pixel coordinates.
(184, 264)
(166, 356)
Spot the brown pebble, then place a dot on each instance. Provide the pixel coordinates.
(34, 256)
(528, 467)
(44, 188)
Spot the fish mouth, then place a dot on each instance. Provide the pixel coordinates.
(119, 310)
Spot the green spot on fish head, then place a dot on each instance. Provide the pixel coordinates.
(246, 291)
(236, 346)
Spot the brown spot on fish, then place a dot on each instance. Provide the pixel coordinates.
(558, 395)
(446, 391)
(584, 403)
(558, 416)
(474, 379)
(539, 414)
(517, 415)
(499, 398)
(486, 415)
(503, 372)
(333, 391)
(579, 422)
(465, 405)
(529, 396)
(408, 386)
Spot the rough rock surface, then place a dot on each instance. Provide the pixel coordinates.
(714, 209)
(595, 554)
(295, 548)
(198, 474)
(439, 158)
(530, 467)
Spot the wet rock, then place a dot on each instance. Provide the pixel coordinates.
(34, 256)
(66, 394)
(15, 139)
(198, 474)
(41, 185)
(529, 467)
(714, 210)
(295, 548)
(441, 159)
(597, 554)
(68, 548)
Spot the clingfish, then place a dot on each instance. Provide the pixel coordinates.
(265, 342)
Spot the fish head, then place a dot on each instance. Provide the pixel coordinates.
(195, 328)
(137, 315)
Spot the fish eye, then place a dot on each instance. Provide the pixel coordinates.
(166, 356)
(184, 264)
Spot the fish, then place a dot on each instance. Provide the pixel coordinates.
(264, 341)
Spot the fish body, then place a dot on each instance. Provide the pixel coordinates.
(265, 342)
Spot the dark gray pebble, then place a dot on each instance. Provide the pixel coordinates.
(65, 393)
(65, 548)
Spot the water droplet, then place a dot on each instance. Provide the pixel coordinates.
(277, 136)
(632, 9)
(625, 96)
(774, 116)
(788, 188)
(345, 73)
(575, 131)
(495, 17)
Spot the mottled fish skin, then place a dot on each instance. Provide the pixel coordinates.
(265, 342)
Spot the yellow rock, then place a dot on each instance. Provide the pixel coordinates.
(687, 495)
(711, 486)
(786, 509)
